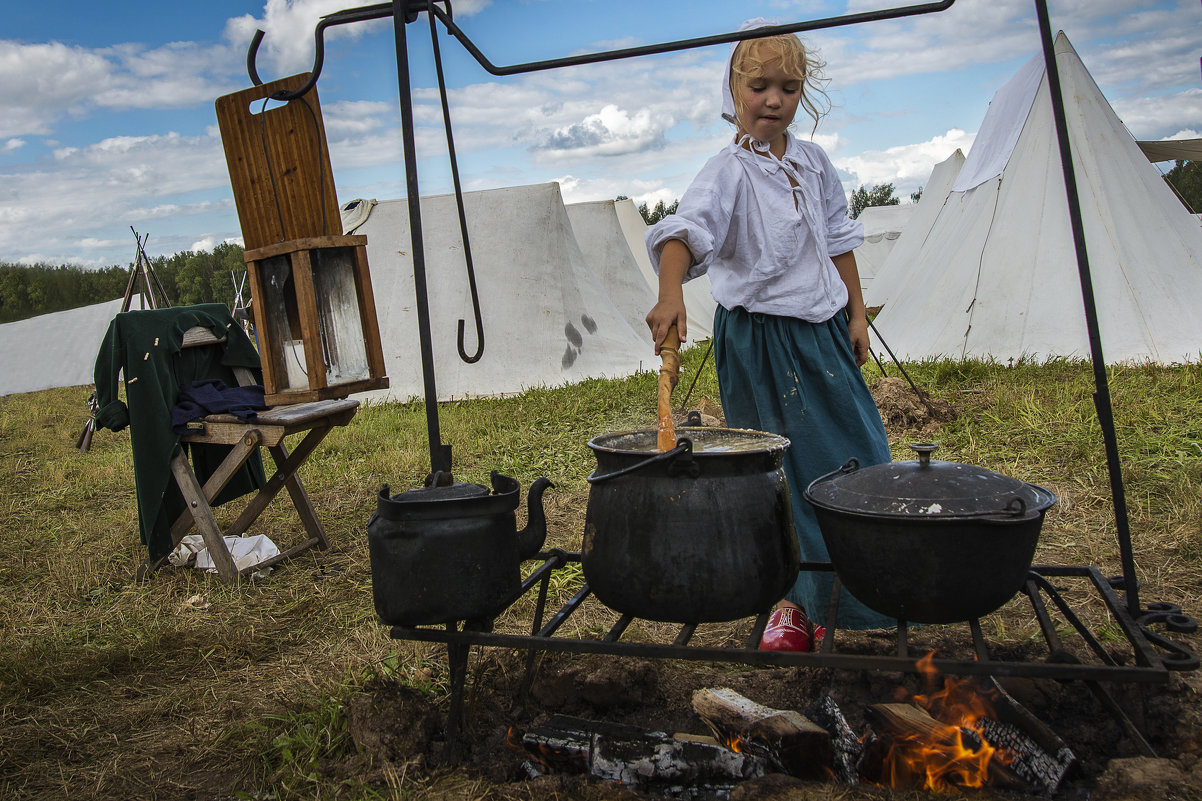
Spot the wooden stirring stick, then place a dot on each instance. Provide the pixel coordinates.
(669, 354)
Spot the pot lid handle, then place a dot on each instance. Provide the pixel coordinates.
(924, 451)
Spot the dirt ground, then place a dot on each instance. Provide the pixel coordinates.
(398, 731)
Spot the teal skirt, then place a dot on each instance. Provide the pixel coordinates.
(800, 380)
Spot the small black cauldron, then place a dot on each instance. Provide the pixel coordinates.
(929, 541)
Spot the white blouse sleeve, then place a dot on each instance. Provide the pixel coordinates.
(701, 222)
(843, 234)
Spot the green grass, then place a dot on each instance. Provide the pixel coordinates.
(114, 689)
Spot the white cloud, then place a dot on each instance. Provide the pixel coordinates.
(288, 25)
(1157, 117)
(610, 132)
(12, 144)
(39, 83)
(126, 180)
(907, 167)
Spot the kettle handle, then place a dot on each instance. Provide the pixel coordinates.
(683, 446)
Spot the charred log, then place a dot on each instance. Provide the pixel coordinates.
(679, 765)
(848, 750)
(792, 743)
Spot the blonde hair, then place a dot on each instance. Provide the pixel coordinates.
(800, 64)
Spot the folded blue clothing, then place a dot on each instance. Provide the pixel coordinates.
(212, 396)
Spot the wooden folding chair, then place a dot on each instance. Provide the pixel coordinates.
(244, 438)
(267, 430)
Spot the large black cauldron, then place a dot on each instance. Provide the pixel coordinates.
(700, 533)
(929, 541)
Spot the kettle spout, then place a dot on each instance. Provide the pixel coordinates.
(532, 537)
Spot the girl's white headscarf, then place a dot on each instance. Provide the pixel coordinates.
(728, 99)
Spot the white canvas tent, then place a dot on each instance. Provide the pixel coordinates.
(607, 251)
(547, 318)
(893, 272)
(882, 227)
(997, 275)
(611, 236)
(55, 350)
(698, 302)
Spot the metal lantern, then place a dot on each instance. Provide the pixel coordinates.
(315, 318)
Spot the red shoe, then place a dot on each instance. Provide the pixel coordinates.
(789, 629)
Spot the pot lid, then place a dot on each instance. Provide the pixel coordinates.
(927, 488)
(452, 492)
(441, 487)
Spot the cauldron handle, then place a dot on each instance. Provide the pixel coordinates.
(683, 446)
(849, 466)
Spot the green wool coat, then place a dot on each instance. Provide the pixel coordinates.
(146, 348)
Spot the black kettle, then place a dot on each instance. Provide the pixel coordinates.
(448, 553)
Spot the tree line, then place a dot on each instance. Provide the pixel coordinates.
(188, 277)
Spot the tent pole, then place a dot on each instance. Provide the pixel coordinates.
(1102, 404)
(440, 454)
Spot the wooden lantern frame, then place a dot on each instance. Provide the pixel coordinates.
(300, 255)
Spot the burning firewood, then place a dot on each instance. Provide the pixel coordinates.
(913, 749)
(847, 746)
(1034, 751)
(793, 743)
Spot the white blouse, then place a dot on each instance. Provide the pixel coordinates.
(764, 230)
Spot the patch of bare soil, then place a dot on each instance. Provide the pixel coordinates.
(902, 408)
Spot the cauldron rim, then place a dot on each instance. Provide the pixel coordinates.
(773, 443)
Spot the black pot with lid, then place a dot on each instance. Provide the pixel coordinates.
(929, 541)
(451, 551)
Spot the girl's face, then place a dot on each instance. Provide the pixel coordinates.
(768, 103)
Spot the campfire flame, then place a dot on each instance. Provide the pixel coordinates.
(953, 753)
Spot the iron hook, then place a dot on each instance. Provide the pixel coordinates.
(467, 248)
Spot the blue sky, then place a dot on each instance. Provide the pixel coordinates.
(107, 120)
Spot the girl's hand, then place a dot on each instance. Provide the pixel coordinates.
(857, 328)
(662, 317)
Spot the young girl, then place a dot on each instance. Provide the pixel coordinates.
(766, 218)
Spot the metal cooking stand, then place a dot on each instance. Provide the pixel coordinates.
(1152, 654)
(1150, 665)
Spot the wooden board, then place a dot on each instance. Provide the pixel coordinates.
(279, 164)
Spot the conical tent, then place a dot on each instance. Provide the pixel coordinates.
(883, 227)
(547, 318)
(997, 275)
(893, 273)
